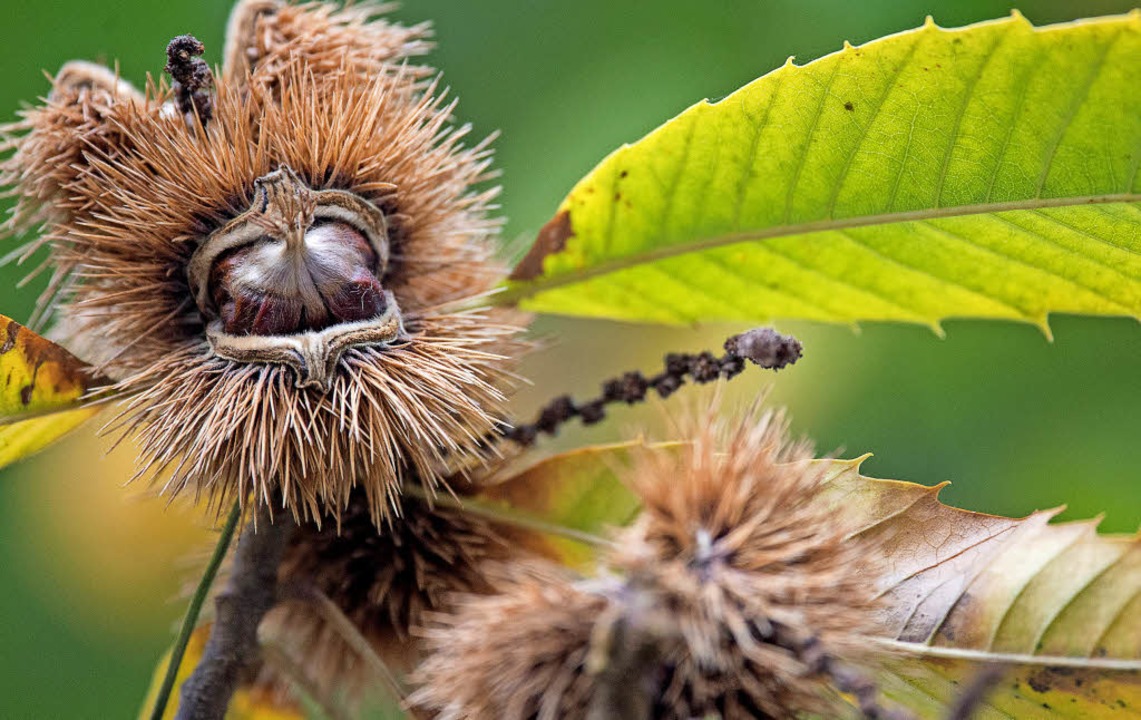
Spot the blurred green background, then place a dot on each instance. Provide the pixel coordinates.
(90, 571)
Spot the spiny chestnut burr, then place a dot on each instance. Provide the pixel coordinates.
(385, 581)
(220, 249)
(736, 593)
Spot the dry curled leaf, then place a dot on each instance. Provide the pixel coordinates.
(1058, 605)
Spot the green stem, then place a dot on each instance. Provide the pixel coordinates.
(191, 620)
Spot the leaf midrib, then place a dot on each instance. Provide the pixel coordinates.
(977, 655)
(523, 291)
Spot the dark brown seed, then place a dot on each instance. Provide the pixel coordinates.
(360, 298)
(261, 289)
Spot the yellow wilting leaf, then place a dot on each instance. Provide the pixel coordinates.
(248, 703)
(40, 389)
(1058, 607)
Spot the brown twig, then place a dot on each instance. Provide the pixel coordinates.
(239, 609)
(762, 346)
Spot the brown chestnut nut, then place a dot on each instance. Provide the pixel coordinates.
(280, 287)
(297, 260)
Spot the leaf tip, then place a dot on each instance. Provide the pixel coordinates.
(848, 46)
(1017, 16)
(789, 62)
(929, 23)
(938, 487)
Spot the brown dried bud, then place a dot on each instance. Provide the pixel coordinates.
(765, 347)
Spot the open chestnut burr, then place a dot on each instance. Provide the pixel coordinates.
(296, 279)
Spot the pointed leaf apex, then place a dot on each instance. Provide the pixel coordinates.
(929, 23)
(938, 487)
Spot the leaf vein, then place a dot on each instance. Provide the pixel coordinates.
(1022, 589)
(1072, 111)
(1086, 233)
(1052, 621)
(657, 253)
(952, 137)
(1051, 272)
(1019, 312)
(879, 104)
(810, 135)
(1074, 254)
(843, 280)
(754, 146)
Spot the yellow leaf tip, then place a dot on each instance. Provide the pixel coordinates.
(789, 62)
(929, 23)
(848, 45)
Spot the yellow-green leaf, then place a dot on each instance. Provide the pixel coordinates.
(1058, 605)
(40, 389)
(989, 171)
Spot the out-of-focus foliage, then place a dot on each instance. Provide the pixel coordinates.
(575, 490)
(88, 570)
(1055, 606)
